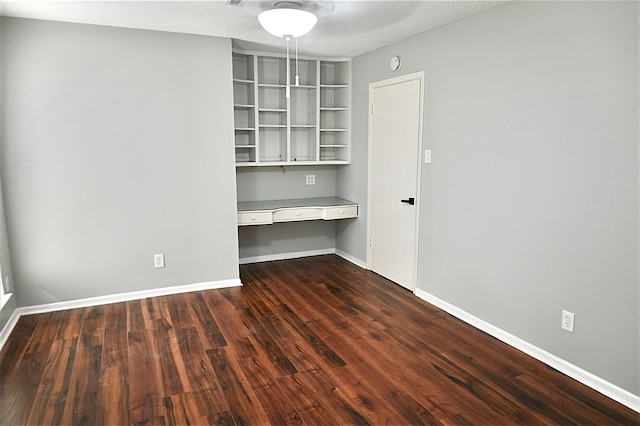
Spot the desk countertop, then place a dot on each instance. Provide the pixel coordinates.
(250, 206)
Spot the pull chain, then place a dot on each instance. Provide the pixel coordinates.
(288, 87)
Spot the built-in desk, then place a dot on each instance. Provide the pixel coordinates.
(273, 211)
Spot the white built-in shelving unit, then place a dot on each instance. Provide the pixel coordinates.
(311, 126)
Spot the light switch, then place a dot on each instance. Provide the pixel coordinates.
(427, 156)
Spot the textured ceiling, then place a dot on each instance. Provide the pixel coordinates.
(351, 27)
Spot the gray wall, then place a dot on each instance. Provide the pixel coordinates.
(117, 146)
(530, 204)
(275, 183)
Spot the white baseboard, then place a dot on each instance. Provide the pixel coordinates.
(352, 259)
(112, 298)
(614, 392)
(298, 254)
(285, 256)
(8, 327)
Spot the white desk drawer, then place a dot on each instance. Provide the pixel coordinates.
(303, 213)
(254, 218)
(340, 212)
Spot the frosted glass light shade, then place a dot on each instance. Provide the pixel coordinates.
(287, 22)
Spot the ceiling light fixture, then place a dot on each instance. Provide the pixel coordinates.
(287, 19)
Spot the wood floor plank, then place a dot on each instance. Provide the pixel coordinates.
(135, 318)
(207, 326)
(19, 388)
(166, 353)
(114, 407)
(145, 383)
(243, 403)
(18, 342)
(114, 403)
(304, 341)
(305, 400)
(203, 383)
(333, 400)
(267, 345)
(47, 331)
(71, 324)
(53, 390)
(20, 383)
(277, 406)
(181, 410)
(230, 322)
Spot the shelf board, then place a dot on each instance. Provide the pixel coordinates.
(275, 86)
(272, 163)
(334, 109)
(272, 126)
(272, 110)
(245, 129)
(333, 86)
(333, 130)
(304, 126)
(303, 86)
(241, 81)
(243, 106)
(334, 146)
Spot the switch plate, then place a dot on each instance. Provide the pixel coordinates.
(158, 260)
(311, 179)
(568, 319)
(427, 156)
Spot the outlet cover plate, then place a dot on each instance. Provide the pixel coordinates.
(568, 319)
(158, 260)
(311, 179)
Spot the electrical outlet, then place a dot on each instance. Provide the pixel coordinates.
(311, 179)
(568, 319)
(158, 260)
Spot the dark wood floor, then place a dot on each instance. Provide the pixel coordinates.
(307, 341)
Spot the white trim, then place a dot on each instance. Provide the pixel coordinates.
(285, 256)
(298, 254)
(349, 258)
(8, 327)
(420, 76)
(112, 298)
(614, 392)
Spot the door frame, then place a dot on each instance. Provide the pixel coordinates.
(420, 75)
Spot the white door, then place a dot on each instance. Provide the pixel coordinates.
(395, 129)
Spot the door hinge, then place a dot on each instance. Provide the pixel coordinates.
(370, 241)
(371, 109)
